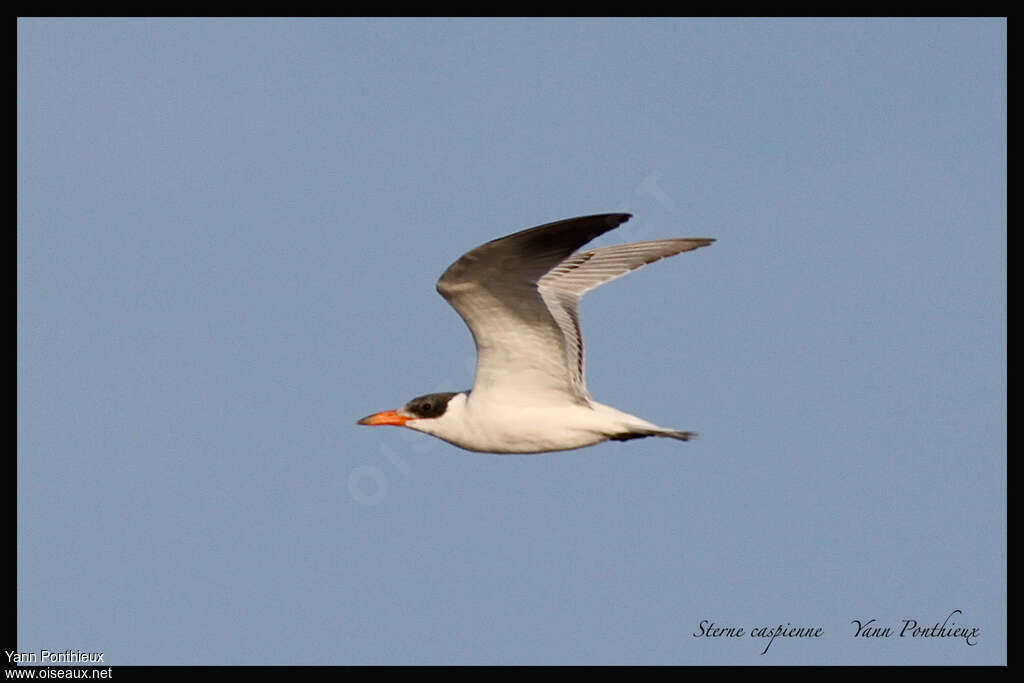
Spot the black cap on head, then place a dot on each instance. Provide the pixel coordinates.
(430, 405)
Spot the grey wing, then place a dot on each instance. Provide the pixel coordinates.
(565, 284)
(521, 347)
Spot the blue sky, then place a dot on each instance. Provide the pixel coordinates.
(228, 237)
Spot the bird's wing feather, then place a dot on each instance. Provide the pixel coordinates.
(518, 295)
(520, 346)
(563, 286)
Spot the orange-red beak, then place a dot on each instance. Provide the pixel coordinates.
(388, 417)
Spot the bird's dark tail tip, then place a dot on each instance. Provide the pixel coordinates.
(670, 433)
(682, 436)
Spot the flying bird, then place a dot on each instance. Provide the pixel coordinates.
(519, 295)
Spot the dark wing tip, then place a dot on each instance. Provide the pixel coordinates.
(561, 238)
(599, 223)
(616, 218)
(612, 220)
(534, 250)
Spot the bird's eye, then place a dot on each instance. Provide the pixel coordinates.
(426, 406)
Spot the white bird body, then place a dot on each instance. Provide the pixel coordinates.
(529, 427)
(519, 297)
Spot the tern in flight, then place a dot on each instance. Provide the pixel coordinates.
(519, 295)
